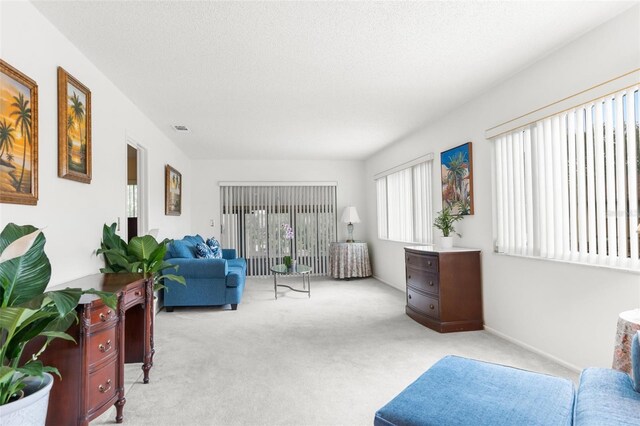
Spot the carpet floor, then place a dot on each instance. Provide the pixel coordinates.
(332, 359)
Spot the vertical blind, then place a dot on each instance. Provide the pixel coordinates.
(252, 219)
(566, 187)
(404, 204)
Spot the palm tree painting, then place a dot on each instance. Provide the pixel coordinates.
(172, 192)
(457, 179)
(18, 137)
(74, 128)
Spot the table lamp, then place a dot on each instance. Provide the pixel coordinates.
(350, 216)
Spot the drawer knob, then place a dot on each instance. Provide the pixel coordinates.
(104, 348)
(409, 296)
(431, 283)
(431, 307)
(104, 388)
(137, 293)
(104, 317)
(429, 263)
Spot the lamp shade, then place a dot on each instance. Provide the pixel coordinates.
(350, 215)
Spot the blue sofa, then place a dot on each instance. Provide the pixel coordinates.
(461, 391)
(210, 282)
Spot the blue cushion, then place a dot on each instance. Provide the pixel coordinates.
(460, 391)
(203, 251)
(214, 245)
(635, 361)
(606, 397)
(180, 249)
(193, 239)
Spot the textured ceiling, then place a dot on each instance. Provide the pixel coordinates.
(311, 80)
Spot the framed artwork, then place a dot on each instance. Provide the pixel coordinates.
(172, 191)
(74, 128)
(456, 165)
(18, 137)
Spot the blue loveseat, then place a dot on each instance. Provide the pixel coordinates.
(461, 391)
(210, 282)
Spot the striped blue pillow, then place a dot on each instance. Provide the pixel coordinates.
(204, 252)
(214, 245)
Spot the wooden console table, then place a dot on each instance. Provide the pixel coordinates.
(93, 369)
(349, 260)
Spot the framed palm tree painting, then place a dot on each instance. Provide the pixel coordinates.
(456, 166)
(74, 128)
(18, 137)
(172, 191)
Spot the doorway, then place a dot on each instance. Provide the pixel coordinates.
(136, 191)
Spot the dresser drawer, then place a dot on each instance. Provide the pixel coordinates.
(102, 344)
(423, 280)
(102, 314)
(423, 303)
(133, 296)
(103, 385)
(426, 262)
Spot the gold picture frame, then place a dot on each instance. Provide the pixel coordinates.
(74, 128)
(172, 191)
(18, 137)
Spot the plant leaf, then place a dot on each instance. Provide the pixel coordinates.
(19, 247)
(142, 247)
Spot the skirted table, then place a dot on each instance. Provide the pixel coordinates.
(349, 260)
(628, 325)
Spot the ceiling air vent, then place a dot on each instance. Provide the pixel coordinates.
(180, 128)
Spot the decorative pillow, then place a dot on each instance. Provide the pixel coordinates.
(203, 251)
(635, 361)
(214, 245)
(179, 249)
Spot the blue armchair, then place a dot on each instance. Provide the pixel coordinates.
(210, 282)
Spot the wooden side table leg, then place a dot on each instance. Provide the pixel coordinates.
(120, 408)
(149, 350)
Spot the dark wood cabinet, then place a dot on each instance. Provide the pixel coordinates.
(444, 290)
(92, 368)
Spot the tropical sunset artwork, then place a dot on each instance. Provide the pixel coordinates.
(18, 137)
(173, 192)
(457, 179)
(76, 129)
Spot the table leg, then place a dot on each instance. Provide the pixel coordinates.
(275, 285)
(309, 284)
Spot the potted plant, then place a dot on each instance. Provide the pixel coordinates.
(143, 254)
(445, 223)
(27, 313)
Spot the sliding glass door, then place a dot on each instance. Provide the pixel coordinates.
(253, 218)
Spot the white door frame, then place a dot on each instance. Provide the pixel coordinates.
(143, 186)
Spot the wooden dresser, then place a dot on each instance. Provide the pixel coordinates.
(93, 369)
(444, 290)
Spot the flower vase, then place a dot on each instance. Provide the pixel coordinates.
(287, 261)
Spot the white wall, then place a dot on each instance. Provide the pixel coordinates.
(566, 311)
(208, 173)
(73, 213)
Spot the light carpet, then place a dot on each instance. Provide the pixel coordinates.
(332, 359)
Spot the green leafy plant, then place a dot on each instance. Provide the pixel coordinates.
(142, 255)
(27, 310)
(445, 221)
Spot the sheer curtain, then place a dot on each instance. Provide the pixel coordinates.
(252, 216)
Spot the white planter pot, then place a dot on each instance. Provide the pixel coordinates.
(446, 242)
(32, 409)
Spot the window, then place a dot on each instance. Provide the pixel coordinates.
(404, 202)
(252, 219)
(566, 186)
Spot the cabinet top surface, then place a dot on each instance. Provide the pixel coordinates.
(435, 249)
(113, 283)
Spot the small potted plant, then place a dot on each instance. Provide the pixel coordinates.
(29, 312)
(445, 223)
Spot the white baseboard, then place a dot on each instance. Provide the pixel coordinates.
(533, 349)
(389, 284)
